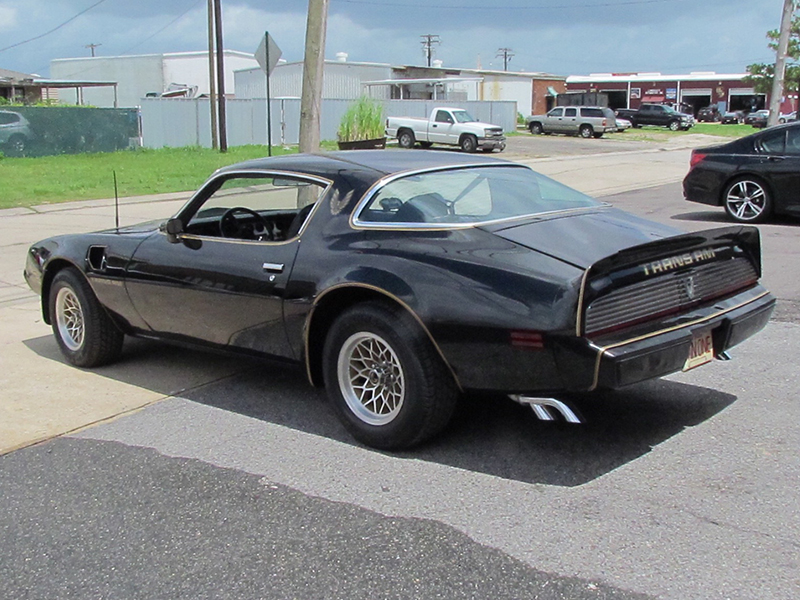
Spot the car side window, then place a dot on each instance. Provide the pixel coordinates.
(256, 207)
(556, 112)
(773, 143)
(8, 118)
(442, 116)
(793, 141)
(570, 112)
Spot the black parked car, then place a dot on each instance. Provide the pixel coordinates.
(752, 177)
(757, 118)
(733, 117)
(399, 279)
(709, 113)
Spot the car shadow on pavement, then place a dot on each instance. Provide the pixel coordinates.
(714, 217)
(489, 434)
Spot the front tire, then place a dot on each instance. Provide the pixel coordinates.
(17, 144)
(747, 200)
(406, 139)
(536, 128)
(85, 333)
(469, 143)
(385, 379)
(674, 125)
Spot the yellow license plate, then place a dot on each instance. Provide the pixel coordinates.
(701, 351)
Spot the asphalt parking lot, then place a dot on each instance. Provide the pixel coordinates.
(182, 474)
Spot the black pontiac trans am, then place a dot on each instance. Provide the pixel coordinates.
(400, 279)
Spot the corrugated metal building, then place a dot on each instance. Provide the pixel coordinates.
(342, 80)
(137, 76)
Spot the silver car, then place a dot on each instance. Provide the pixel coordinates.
(15, 133)
(585, 121)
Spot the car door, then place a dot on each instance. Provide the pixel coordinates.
(441, 128)
(552, 121)
(569, 124)
(221, 280)
(780, 166)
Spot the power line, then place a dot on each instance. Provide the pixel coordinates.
(38, 37)
(175, 20)
(539, 7)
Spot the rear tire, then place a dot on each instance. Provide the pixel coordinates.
(586, 131)
(747, 200)
(406, 139)
(385, 379)
(85, 333)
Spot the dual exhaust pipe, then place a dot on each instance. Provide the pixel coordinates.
(548, 409)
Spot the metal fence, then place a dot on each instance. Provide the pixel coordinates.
(180, 122)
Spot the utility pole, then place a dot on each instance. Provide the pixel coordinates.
(313, 70)
(92, 47)
(223, 130)
(212, 84)
(506, 53)
(780, 63)
(428, 40)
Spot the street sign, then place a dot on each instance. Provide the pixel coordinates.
(268, 54)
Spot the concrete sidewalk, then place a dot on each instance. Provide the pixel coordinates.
(43, 397)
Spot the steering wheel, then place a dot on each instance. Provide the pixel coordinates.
(229, 225)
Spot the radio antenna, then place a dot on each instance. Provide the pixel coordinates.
(116, 201)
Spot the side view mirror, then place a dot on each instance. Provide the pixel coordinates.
(173, 228)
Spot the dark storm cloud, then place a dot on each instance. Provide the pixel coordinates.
(560, 36)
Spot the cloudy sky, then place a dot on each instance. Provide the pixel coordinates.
(558, 36)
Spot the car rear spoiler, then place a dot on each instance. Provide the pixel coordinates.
(683, 250)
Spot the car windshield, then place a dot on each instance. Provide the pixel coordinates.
(463, 116)
(469, 195)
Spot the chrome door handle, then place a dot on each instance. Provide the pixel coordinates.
(273, 267)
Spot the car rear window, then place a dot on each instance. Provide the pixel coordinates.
(468, 195)
(592, 112)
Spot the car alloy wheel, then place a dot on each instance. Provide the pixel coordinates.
(85, 333)
(388, 384)
(747, 201)
(371, 378)
(69, 319)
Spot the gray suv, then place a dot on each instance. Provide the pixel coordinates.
(585, 121)
(15, 133)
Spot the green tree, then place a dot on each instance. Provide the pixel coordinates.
(760, 75)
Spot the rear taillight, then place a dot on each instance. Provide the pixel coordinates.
(696, 158)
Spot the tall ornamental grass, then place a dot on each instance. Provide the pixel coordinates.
(362, 121)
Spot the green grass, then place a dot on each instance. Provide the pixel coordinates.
(32, 181)
(651, 133)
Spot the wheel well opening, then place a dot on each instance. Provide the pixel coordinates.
(330, 306)
(53, 269)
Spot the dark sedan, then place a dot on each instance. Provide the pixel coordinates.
(400, 279)
(752, 177)
(757, 119)
(709, 113)
(733, 117)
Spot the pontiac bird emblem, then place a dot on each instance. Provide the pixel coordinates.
(688, 285)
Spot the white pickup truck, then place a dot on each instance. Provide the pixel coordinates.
(453, 126)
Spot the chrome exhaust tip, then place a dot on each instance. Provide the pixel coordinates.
(542, 408)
